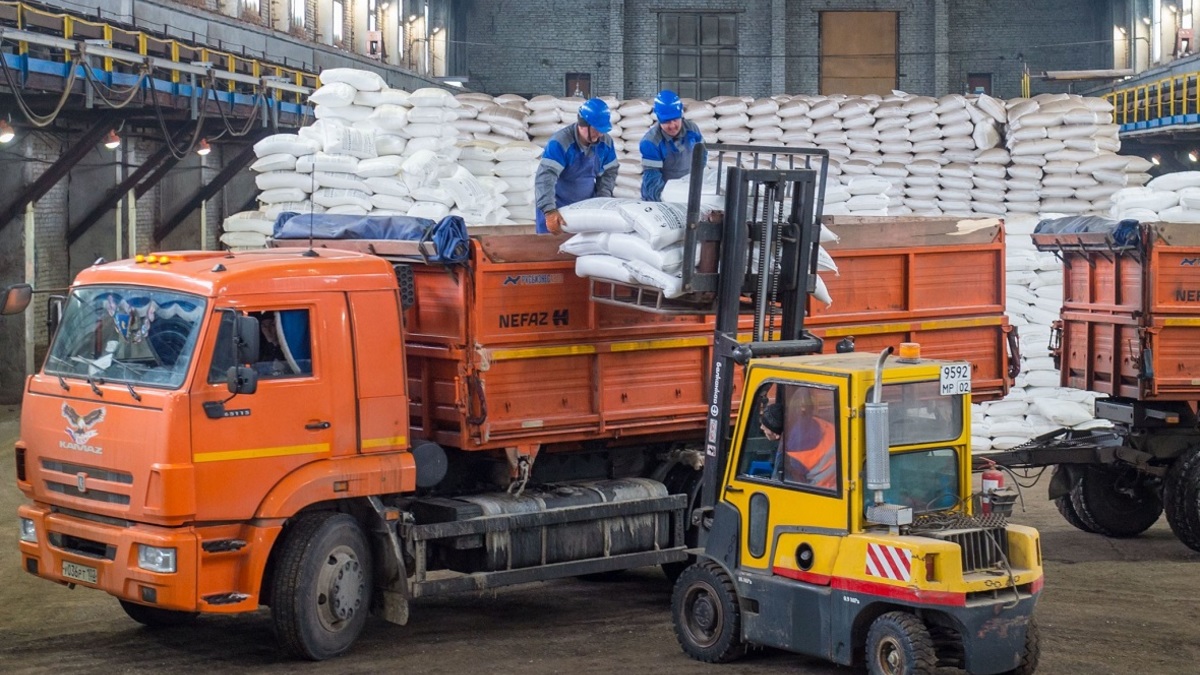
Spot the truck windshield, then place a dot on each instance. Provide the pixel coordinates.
(130, 335)
(926, 480)
(919, 413)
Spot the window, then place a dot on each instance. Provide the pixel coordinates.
(793, 438)
(926, 480)
(698, 54)
(372, 14)
(284, 346)
(339, 15)
(919, 413)
(136, 336)
(250, 6)
(296, 13)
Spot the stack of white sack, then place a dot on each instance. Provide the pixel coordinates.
(247, 230)
(508, 118)
(468, 125)
(516, 165)
(1067, 145)
(627, 241)
(860, 195)
(1036, 404)
(275, 168)
(1170, 198)
(642, 243)
(635, 119)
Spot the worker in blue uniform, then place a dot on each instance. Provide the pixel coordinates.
(667, 146)
(579, 162)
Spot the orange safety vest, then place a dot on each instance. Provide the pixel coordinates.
(818, 462)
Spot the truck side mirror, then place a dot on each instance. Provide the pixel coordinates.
(241, 380)
(16, 298)
(246, 339)
(54, 313)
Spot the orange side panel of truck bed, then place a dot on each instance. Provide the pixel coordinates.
(513, 349)
(1131, 317)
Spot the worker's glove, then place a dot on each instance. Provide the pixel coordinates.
(554, 222)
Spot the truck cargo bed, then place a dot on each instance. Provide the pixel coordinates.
(1131, 313)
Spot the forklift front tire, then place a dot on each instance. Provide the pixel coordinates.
(899, 644)
(708, 620)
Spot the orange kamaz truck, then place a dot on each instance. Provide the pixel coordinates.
(334, 433)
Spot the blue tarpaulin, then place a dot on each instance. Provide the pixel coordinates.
(1123, 232)
(449, 236)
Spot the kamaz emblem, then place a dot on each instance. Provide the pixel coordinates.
(81, 429)
(532, 279)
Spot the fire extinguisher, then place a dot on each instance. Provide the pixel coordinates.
(991, 480)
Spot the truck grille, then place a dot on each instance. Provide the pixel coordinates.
(81, 546)
(982, 548)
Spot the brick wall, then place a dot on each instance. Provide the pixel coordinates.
(527, 47)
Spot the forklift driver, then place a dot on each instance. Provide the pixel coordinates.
(808, 442)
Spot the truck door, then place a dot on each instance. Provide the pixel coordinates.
(295, 417)
(788, 481)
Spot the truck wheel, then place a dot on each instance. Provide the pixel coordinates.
(898, 643)
(1067, 510)
(708, 619)
(1032, 653)
(1181, 496)
(1115, 502)
(157, 617)
(322, 588)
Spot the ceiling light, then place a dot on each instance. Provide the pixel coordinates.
(203, 148)
(412, 18)
(1171, 8)
(384, 6)
(1146, 20)
(1155, 160)
(6, 132)
(1192, 157)
(436, 29)
(112, 141)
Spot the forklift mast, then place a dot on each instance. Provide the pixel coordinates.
(766, 242)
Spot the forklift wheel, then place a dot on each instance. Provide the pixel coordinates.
(708, 621)
(899, 644)
(1032, 653)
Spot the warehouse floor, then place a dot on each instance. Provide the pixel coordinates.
(1109, 607)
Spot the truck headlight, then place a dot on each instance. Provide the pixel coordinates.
(28, 530)
(156, 559)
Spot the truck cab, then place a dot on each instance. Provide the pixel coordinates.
(793, 533)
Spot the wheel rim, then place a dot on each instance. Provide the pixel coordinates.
(889, 654)
(702, 615)
(340, 589)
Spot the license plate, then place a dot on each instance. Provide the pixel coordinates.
(79, 572)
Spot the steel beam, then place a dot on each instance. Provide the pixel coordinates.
(55, 172)
(231, 169)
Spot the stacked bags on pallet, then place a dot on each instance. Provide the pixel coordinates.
(640, 243)
(1036, 404)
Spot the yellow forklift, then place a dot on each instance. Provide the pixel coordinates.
(836, 516)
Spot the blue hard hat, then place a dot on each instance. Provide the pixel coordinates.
(668, 106)
(595, 112)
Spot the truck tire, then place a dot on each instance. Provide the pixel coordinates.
(1181, 497)
(322, 587)
(1067, 510)
(157, 617)
(1115, 502)
(706, 613)
(898, 643)
(1032, 653)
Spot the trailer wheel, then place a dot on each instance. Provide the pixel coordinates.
(708, 619)
(1067, 510)
(1032, 653)
(898, 643)
(1181, 497)
(157, 617)
(322, 586)
(1115, 502)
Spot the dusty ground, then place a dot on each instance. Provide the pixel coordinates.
(1110, 607)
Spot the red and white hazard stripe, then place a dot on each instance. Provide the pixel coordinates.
(889, 562)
